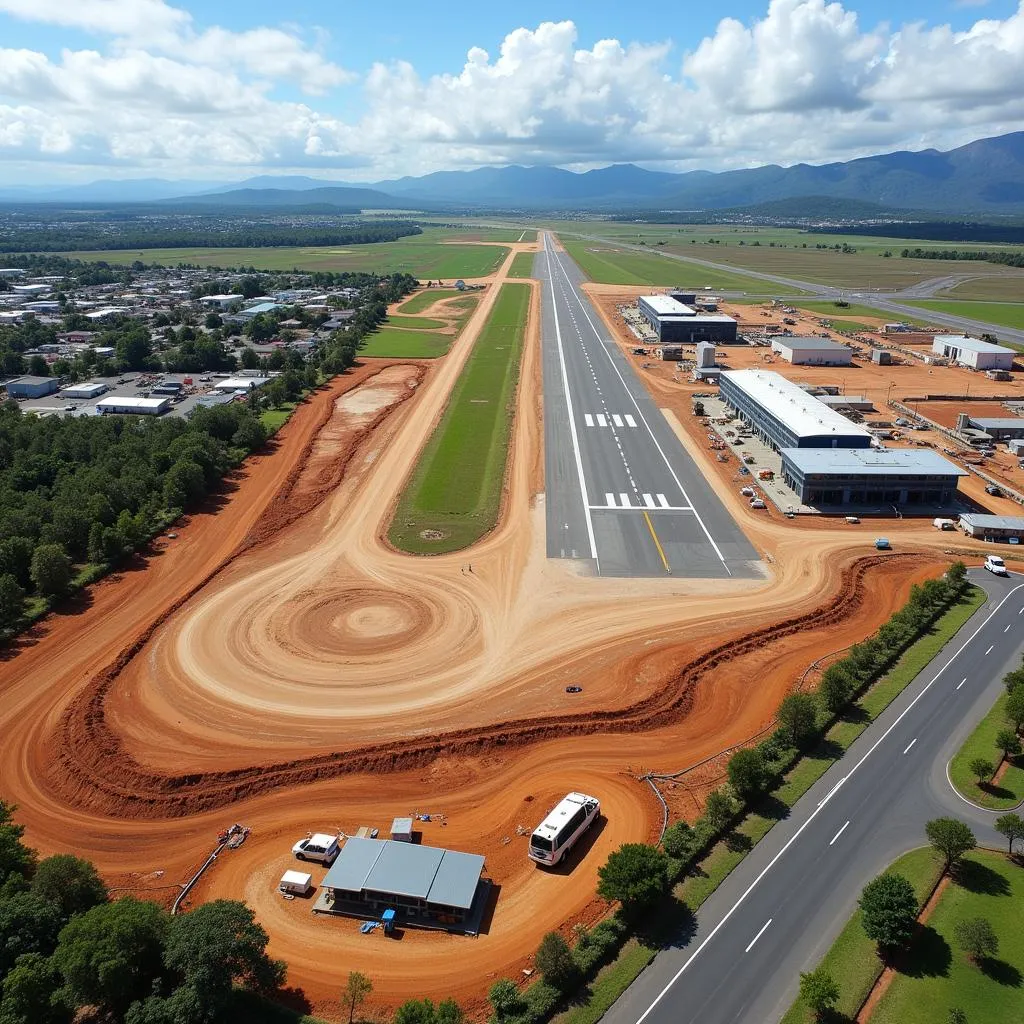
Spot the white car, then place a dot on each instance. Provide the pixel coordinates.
(757, 503)
(318, 847)
(995, 564)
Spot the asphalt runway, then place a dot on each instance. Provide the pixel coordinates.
(621, 491)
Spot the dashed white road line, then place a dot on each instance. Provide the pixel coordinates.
(764, 928)
(989, 651)
(909, 745)
(961, 683)
(838, 834)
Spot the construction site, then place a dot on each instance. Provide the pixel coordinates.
(279, 664)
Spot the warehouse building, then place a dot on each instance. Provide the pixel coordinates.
(1007, 428)
(811, 351)
(88, 391)
(425, 885)
(241, 383)
(995, 528)
(32, 387)
(973, 353)
(784, 415)
(676, 323)
(868, 476)
(133, 406)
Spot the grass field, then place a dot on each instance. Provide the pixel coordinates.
(425, 299)
(522, 264)
(417, 323)
(852, 960)
(1009, 791)
(993, 287)
(850, 326)
(424, 256)
(830, 310)
(604, 264)
(456, 486)
(400, 344)
(1006, 314)
(938, 976)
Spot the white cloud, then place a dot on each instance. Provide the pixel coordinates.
(806, 81)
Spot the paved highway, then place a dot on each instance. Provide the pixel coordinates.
(621, 491)
(886, 303)
(781, 909)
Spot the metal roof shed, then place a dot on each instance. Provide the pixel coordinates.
(404, 870)
(456, 879)
(353, 864)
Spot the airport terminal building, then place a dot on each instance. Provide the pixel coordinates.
(679, 324)
(871, 477)
(783, 415)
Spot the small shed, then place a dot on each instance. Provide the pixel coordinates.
(296, 883)
(401, 830)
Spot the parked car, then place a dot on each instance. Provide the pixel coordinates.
(882, 543)
(757, 503)
(996, 565)
(996, 492)
(318, 847)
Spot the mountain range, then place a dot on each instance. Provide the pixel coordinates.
(984, 177)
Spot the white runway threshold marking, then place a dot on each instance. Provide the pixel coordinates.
(601, 421)
(799, 832)
(764, 928)
(630, 422)
(588, 419)
(662, 501)
(649, 501)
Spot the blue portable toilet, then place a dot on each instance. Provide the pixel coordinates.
(388, 920)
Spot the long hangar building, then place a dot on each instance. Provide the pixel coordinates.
(826, 458)
(676, 322)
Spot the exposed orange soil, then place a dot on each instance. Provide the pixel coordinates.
(279, 665)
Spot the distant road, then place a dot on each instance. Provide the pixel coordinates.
(781, 909)
(621, 490)
(887, 304)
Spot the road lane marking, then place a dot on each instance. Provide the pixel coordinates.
(662, 500)
(1008, 625)
(657, 543)
(839, 833)
(961, 683)
(796, 835)
(828, 796)
(643, 419)
(601, 421)
(989, 651)
(630, 422)
(572, 417)
(589, 419)
(649, 501)
(617, 420)
(764, 928)
(909, 745)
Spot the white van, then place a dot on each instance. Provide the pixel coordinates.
(995, 564)
(318, 846)
(943, 524)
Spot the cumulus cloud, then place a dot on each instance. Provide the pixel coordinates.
(805, 81)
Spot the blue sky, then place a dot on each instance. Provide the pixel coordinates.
(222, 89)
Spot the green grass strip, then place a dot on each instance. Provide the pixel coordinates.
(522, 264)
(611, 981)
(454, 493)
(392, 343)
(938, 976)
(275, 419)
(1007, 314)
(853, 959)
(426, 298)
(417, 323)
(1009, 791)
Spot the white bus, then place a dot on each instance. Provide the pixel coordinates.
(556, 835)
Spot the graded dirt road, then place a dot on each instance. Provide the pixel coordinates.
(280, 666)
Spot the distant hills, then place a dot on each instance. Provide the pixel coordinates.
(985, 177)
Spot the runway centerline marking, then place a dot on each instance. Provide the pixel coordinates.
(909, 745)
(961, 683)
(989, 651)
(796, 835)
(838, 834)
(764, 928)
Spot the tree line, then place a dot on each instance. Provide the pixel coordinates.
(1006, 259)
(211, 233)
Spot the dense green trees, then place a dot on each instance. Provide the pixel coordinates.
(555, 962)
(95, 488)
(977, 938)
(951, 838)
(818, 989)
(636, 875)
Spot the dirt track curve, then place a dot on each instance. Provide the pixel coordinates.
(279, 665)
